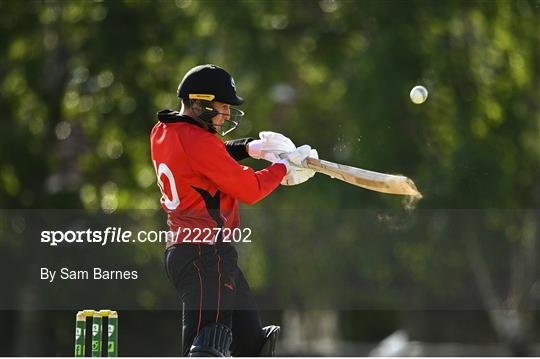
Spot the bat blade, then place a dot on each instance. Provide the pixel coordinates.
(374, 181)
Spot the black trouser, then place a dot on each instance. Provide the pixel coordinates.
(214, 290)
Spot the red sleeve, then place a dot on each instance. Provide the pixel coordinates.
(209, 157)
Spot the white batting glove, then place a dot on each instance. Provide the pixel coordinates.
(296, 174)
(270, 146)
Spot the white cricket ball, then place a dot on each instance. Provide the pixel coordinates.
(419, 94)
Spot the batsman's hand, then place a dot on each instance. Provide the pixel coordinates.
(297, 174)
(270, 146)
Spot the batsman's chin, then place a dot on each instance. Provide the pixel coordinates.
(109, 274)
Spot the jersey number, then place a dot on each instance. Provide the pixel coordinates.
(164, 170)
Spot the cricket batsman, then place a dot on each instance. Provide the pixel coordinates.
(201, 183)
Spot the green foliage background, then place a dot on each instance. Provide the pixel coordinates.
(81, 82)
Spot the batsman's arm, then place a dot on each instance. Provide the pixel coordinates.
(238, 148)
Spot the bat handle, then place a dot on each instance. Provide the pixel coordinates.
(305, 163)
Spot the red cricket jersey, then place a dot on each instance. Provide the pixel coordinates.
(200, 182)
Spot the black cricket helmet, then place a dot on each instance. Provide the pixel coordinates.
(208, 83)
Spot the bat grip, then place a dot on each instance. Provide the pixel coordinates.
(305, 163)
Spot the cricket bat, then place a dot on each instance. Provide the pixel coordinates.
(374, 181)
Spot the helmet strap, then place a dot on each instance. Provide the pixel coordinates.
(204, 112)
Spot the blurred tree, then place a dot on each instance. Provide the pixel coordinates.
(80, 83)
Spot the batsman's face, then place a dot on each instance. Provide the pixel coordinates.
(224, 113)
